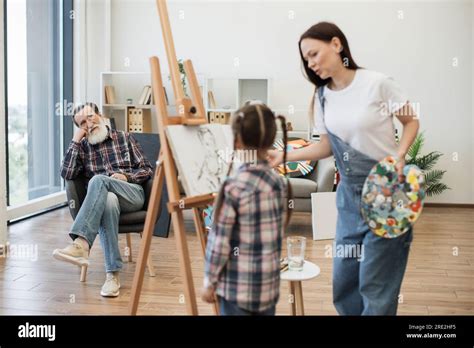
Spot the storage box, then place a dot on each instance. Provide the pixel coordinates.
(139, 120)
(219, 117)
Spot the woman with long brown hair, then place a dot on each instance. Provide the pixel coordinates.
(353, 110)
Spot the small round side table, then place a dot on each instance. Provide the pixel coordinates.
(309, 271)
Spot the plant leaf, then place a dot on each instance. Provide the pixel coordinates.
(427, 162)
(416, 146)
(436, 189)
(433, 186)
(433, 177)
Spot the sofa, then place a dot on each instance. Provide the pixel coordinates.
(319, 180)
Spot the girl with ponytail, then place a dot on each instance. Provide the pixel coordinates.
(244, 244)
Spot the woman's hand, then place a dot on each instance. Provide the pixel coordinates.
(314, 152)
(409, 120)
(399, 167)
(274, 157)
(208, 295)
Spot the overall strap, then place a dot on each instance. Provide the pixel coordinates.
(354, 168)
(321, 98)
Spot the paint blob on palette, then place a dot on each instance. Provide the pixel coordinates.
(388, 206)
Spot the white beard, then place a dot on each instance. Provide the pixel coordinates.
(99, 135)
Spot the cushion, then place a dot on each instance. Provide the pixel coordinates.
(302, 188)
(136, 217)
(294, 169)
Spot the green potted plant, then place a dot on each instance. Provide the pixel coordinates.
(182, 72)
(183, 75)
(426, 163)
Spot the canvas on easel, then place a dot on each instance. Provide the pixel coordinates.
(204, 158)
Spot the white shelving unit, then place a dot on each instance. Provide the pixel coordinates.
(253, 89)
(129, 85)
(232, 93)
(229, 94)
(225, 92)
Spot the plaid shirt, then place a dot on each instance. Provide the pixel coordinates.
(244, 247)
(118, 153)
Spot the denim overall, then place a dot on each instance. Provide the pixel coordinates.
(367, 270)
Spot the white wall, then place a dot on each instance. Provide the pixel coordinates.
(417, 51)
(91, 49)
(3, 190)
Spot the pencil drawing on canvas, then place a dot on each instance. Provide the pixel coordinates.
(198, 152)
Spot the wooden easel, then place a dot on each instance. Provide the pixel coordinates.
(190, 112)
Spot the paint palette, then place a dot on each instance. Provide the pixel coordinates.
(388, 206)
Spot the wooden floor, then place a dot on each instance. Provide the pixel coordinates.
(439, 278)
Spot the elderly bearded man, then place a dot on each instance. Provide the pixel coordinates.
(116, 167)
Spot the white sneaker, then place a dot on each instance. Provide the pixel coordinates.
(111, 286)
(73, 253)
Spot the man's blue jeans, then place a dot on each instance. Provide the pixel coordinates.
(106, 198)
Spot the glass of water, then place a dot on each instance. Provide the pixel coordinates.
(296, 249)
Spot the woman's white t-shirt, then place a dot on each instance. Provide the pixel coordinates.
(361, 114)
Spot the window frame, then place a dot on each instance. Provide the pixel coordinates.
(64, 38)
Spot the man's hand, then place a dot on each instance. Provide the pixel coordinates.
(79, 134)
(208, 295)
(119, 176)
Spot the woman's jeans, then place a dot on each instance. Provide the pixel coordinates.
(367, 269)
(106, 198)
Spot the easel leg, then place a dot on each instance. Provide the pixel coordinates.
(149, 263)
(184, 261)
(200, 229)
(144, 251)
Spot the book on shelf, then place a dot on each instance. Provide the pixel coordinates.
(110, 121)
(110, 95)
(106, 95)
(212, 100)
(148, 97)
(143, 95)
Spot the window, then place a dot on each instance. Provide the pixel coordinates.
(38, 79)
